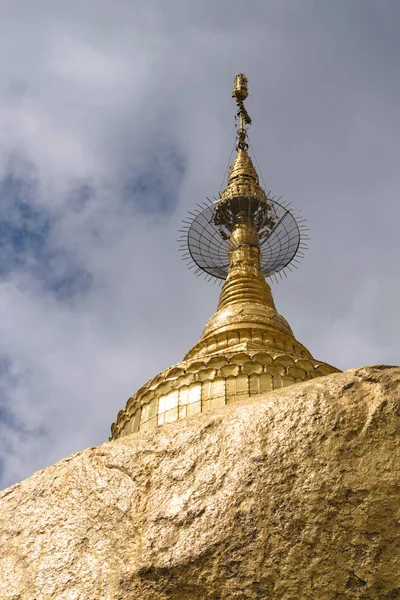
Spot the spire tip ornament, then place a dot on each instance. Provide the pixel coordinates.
(240, 93)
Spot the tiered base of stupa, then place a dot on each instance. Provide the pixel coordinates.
(229, 368)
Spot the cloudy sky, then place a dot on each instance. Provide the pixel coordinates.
(116, 118)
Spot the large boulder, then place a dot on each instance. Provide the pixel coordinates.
(291, 496)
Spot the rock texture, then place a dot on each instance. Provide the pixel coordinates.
(294, 496)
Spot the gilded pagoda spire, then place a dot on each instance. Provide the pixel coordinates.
(246, 301)
(245, 281)
(247, 347)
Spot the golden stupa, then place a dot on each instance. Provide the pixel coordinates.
(247, 347)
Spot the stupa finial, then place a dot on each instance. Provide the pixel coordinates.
(240, 93)
(210, 234)
(243, 178)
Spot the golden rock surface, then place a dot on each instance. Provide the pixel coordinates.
(291, 496)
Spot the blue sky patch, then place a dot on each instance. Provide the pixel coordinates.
(27, 243)
(155, 188)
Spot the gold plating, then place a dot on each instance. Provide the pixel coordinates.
(243, 178)
(246, 348)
